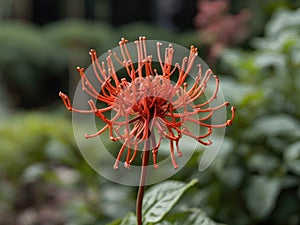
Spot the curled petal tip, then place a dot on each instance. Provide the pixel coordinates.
(229, 122)
(233, 113)
(79, 69)
(61, 94)
(113, 138)
(92, 51)
(123, 41)
(127, 165)
(116, 166)
(91, 103)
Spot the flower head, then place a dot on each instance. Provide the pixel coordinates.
(148, 106)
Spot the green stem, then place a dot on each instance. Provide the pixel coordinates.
(143, 178)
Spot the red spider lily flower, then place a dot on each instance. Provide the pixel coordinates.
(147, 106)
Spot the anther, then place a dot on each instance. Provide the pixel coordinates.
(127, 165)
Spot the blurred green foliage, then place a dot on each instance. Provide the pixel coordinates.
(34, 60)
(257, 180)
(45, 180)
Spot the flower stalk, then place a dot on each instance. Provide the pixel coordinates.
(142, 185)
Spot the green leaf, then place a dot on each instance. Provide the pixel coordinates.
(115, 222)
(164, 222)
(160, 199)
(191, 217)
(276, 125)
(261, 195)
(266, 60)
(257, 162)
(283, 20)
(130, 219)
(294, 166)
(292, 152)
(292, 157)
(236, 92)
